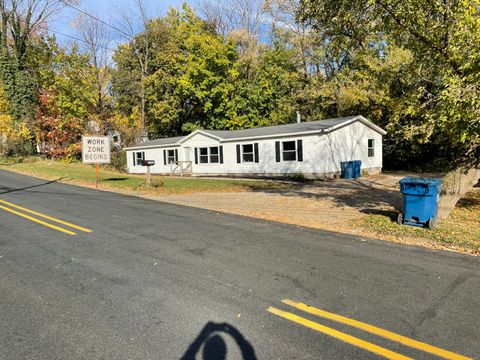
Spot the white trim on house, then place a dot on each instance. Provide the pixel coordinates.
(200, 131)
(140, 147)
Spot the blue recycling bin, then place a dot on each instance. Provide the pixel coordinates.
(420, 201)
(358, 168)
(350, 169)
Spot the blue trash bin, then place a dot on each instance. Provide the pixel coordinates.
(350, 169)
(358, 168)
(420, 201)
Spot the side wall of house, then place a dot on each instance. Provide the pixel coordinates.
(351, 143)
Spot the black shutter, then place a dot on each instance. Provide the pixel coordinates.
(220, 150)
(164, 157)
(134, 159)
(299, 150)
(143, 155)
(277, 151)
(239, 159)
(255, 150)
(176, 155)
(196, 156)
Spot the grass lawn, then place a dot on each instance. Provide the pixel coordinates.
(460, 231)
(109, 179)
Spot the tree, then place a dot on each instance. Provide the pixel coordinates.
(15, 137)
(96, 39)
(139, 49)
(201, 79)
(231, 15)
(66, 103)
(192, 84)
(268, 95)
(190, 73)
(20, 22)
(435, 107)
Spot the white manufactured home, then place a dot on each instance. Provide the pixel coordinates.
(313, 149)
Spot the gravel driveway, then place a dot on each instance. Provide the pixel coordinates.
(331, 205)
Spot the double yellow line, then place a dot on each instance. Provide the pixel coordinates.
(362, 326)
(42, 222)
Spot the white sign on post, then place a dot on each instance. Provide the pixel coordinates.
(95, 150)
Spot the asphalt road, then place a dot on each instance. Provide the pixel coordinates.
(159, 281)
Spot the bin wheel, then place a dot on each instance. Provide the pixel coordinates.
(400, 219)
(431, 223)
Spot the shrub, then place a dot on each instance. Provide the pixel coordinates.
(119, 161)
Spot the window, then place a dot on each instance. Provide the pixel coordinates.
(206, 155)
(138, 158)
(289, 151)
(247, 153)
(214, 155)
(203, 155)
(171, 158)
(371, 147)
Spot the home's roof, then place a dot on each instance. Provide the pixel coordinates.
(157, 142)
(309, 126)
(267, 131)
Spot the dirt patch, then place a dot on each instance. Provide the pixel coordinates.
(331, 205)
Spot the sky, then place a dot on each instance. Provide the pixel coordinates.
(108, 11)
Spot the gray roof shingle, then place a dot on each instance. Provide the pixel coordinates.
(279, 129)
(157, 142)
(303, 127)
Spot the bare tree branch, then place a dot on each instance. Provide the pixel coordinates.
(134, 22)
(96, 38)
(229, 15)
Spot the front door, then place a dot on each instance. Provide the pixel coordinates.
(187, 154)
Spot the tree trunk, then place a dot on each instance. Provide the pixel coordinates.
(456, 184)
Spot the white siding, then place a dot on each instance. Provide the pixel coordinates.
(351, 143)
(151, 154)
(198, 141)
(322, 154)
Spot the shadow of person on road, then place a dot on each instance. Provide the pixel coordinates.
(214, 346)
(7, 190)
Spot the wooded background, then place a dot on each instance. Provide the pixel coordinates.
(410, 66)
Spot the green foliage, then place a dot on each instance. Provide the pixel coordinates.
(410, 66)
(268, 95)
(430, 102)
(69, 79)
(197, 79)
(193, 75)
(126, 78)
(119, 161)
(66, 102)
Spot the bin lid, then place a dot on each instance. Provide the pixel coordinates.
(421, 181)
